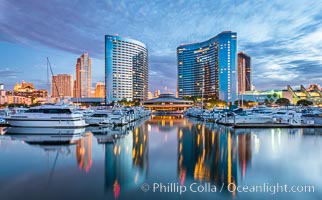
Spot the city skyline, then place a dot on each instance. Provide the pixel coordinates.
(283, 38)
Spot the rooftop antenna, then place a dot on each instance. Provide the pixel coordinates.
(51, 70)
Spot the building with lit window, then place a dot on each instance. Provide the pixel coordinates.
(28, 90)
(100, 90)
(83, 82)
(244, 73)
(62, 85)
(209, 68)
(157, 93)
(84, 152)
(167, 104)
(126, 69)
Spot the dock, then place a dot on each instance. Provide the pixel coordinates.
(273, 125)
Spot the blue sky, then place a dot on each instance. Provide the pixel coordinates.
(284, 38)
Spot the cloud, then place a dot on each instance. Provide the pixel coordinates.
(9, 77)
(273, 33)
(9, 74)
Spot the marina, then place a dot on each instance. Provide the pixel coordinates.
(161, 100)
(294, 117)
(173, 151)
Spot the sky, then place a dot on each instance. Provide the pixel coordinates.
(283, 37)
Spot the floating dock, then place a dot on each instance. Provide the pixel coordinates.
(273, 125)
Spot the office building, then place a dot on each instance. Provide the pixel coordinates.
(209, 68)
(83, 82)
(150, 95)
(244, 73)
(100, 90)
(157, 93)
(62, 85)
(126, 69)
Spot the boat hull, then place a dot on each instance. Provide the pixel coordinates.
(47, 123)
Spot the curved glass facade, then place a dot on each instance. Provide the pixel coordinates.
(126, 69)
(209, 66)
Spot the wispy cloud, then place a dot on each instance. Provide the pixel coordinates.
(9, 73)
(273, 33)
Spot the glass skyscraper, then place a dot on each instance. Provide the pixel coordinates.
(209, 68)
(126, 69)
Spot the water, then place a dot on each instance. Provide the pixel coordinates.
(160, 158)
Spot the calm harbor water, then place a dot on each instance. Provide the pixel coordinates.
(159, 158)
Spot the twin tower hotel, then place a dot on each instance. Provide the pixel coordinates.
(207, 69)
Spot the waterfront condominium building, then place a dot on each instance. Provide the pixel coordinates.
(62, 85)
(244, 73)
(209, 68)
(83, 82)
(100, 90)
(126, 69)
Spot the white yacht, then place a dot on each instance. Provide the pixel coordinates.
(47, 136)
(287, 117)
(3, 114)
(233, 118)
(211, 115)
(98, 118)
(47, 116)
(118, 117)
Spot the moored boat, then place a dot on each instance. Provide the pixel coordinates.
(98, 118)
(47, 116)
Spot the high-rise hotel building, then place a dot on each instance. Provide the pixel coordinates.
(100, 90)
(209, 68)
(126, 69)
(244, 73)
(62, 85)
(83, 82)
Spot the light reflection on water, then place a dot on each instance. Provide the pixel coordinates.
(113, 163)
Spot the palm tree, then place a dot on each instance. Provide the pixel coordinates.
(283, 102)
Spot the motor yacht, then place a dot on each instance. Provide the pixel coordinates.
(244, 118)
(99, 117)
(48, 115)
(118, 117)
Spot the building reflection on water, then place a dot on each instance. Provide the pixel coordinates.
(126, 157)
(126, 161)
(166, 124)
(212, 154)
(84, 152)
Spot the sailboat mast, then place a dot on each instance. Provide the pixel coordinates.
(52, 73)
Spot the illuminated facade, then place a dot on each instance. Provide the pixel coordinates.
(312, 93)
(244, 73)
(28, 91)
(209, 67)
(150, 95)
(64, 83)
(4, 99)
(100, 90)
(83, 82)
(126, 69)
(157, 93)
(167, 103)
(84, 152)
